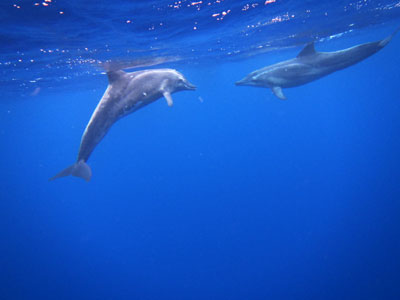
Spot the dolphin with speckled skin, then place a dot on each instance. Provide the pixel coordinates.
(126, 93)
(310, 65)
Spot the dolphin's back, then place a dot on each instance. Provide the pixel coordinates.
(101, 121)
(310, 65)
(341, 59)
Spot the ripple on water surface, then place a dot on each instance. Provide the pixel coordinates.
(51, 44)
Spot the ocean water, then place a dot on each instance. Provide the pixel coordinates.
(231, 193)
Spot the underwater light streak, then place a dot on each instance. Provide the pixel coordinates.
(221, 15)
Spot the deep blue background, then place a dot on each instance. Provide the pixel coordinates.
(241, 196)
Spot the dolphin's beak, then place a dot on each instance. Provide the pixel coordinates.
(241, 82)
(190, 86)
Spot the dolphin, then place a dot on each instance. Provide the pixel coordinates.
(310, 65)
(126, 93)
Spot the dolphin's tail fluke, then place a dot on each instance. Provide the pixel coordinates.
(78, 169)
(386, 41)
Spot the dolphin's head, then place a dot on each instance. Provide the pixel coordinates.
(265, 77)
(177, 82)
(245, 81)
(253, 79)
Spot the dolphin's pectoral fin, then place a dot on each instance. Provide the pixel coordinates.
(277, 90)
(168, 97)
(307, 50)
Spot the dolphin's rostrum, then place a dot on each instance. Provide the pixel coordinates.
(126, 93)
(310, 65)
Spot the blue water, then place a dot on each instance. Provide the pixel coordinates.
(231, 193)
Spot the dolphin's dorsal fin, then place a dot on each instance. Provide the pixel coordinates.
(307, 50)
(114, 76)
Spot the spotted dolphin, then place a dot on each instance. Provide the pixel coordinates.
(126, 93)
(310, 65)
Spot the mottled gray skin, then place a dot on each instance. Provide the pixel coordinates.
(126, 93)
(310, 65)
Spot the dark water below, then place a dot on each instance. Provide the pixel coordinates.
(230, 194)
